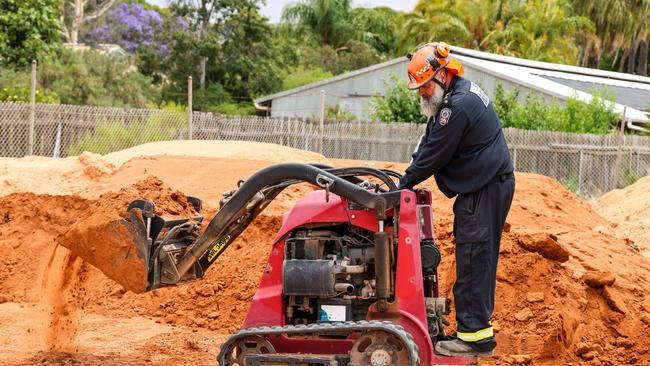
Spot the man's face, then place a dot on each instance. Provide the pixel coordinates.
(431, 95)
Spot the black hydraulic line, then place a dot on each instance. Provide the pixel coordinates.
(214, 242)
(355, 171)
(391, 173)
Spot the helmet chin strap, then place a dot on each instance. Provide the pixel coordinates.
(442, 85)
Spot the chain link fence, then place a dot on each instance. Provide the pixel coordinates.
(589, 165)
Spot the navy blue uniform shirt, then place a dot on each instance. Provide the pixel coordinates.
(463, 147)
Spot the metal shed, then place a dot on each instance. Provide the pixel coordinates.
(353, 90)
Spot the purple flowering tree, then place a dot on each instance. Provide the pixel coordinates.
(136, 29)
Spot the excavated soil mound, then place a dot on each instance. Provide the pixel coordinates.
(569, 291)
(628, 211)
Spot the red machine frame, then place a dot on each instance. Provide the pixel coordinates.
(407, 309)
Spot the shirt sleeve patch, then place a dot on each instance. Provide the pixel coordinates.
(445, 113)
(478, 91)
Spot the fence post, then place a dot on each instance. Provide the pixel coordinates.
(580, 173)
(514, 157)
(189, 104)
(32, 110)
(322, 120)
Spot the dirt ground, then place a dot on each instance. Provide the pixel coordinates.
(572, 279)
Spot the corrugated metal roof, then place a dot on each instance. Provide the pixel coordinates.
(632, 97)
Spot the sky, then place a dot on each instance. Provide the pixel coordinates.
(273, 8)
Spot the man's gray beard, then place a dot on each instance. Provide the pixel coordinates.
(429, 106)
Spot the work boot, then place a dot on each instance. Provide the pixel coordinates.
(457, 347)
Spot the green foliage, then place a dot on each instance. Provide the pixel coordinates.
(355, 55)
(537, 29)
(29, 30)
(109, 137)
(14, 87)
(326, 21)
(398, 105)
(339, 113)
(628, 177)
(299, 76)
(573, 184)
(233, 108)
(206, 99)
(536, 113)
(376, 27)
(92, 78)
(22, 94)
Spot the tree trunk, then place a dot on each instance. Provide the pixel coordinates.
(586, 54)
(77, 20)
(624, 58)
(204, 30)
(631, 60)
(202, 77)
(643, 59)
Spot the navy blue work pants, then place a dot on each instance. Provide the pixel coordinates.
(479, 218)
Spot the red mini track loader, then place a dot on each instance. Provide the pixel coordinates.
(351, 279)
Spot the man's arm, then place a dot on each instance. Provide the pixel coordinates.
(437, 149)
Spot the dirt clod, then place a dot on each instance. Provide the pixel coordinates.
(524, 315)
(535, 296)
(546, 245)
(614, 299)
(597, 279)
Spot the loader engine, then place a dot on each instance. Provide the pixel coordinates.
(328, 274)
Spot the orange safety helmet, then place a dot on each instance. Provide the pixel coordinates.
(427, 61)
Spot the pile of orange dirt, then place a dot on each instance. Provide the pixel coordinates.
(109, 241)
(569, 291)
(628, 211)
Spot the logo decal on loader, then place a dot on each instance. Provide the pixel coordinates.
(218, 247)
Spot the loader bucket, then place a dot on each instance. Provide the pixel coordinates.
(122, 248)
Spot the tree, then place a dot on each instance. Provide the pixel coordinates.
(375, 27)
(621, 27)
(92, 78)
(328, 21)
(206, 14)
(536, 29)
(250, 63)
(28, 30)
(142, 32)
(132, 27)
(73, 14)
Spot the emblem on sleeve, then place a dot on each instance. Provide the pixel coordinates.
(445, 113)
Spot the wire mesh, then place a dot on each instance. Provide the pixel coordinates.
(587, 164)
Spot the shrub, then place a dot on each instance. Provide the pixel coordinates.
(300, 76)
(109, 137)
(92, 78)
(22, 94)
(597, 116)
(234, 109)
(629, 177)
(339, 113)
(398, 105)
